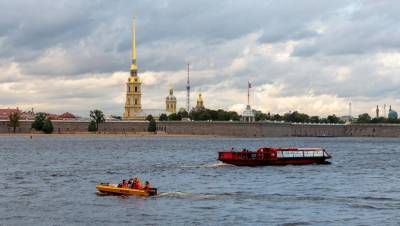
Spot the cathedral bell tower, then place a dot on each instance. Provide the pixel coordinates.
(133, 103)
(170, 102)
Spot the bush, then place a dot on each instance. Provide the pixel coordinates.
(152, 126)
(48, 126)
(174, 117)
(92, 126)
(149, 118)
(163, 117)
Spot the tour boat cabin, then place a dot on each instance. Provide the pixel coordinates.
(275, 156)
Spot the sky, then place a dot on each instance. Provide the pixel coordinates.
(310, 56)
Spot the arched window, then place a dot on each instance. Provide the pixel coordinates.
(135, 89)
(135, 101)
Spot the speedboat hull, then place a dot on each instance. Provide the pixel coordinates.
(115, 190)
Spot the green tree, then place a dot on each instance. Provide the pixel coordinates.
(314, 119)
(259, 116)
(98, 117)
(152, 126)
(234, 116)
(333, 119)
(223, 115)
(38, 122)
(174, 117)
(182, 114)
(204, 116)
(277, 117)
(149, 118)
(163, 117)
(295, 117)
(48, 126)
(364, 118)
(92, 126)
(14, 120)
(378, 120)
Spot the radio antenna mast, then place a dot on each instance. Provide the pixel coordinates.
(188, 90)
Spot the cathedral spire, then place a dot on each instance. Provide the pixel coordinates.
(133, 65)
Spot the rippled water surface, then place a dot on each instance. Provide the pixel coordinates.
(51, 181)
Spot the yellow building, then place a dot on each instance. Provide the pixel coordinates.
(200, 102)
(170, 102)
(133, 103)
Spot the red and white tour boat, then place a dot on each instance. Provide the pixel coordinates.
(275, 156)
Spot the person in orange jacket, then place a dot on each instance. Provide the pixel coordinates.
(136, 183)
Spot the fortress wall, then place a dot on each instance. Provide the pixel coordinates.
(372, 130)
(212, 128)
(235, 129)
(314, 130)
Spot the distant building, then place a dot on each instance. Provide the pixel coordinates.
(392, 113)
(67, 116)
(5, 113)
(28, 115)
(248, 113)
(133, 104)
(170, 102)
(199, 103)
(346, 118)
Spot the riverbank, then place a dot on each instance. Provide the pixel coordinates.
(143, 134)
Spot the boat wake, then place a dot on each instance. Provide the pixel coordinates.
(188, 195)
(208, 165)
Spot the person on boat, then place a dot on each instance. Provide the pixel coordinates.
(130, 183)
(147, 186)
(136, 183)
(124, 184)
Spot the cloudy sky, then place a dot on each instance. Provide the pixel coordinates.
(311, 56)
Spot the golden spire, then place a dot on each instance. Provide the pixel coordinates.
(133, 65)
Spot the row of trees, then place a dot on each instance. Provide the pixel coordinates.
(366, 118)
(202, 115)
(40, 123)
(296, 117)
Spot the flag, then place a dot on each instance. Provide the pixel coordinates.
(249, 85)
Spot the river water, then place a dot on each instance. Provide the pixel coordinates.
(51, 181)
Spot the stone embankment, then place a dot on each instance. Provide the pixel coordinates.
(235, 129)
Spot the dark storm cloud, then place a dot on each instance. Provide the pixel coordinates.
(29, 27)
(313, 46)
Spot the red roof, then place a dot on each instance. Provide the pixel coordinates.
(67, 115)
(5, 113)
